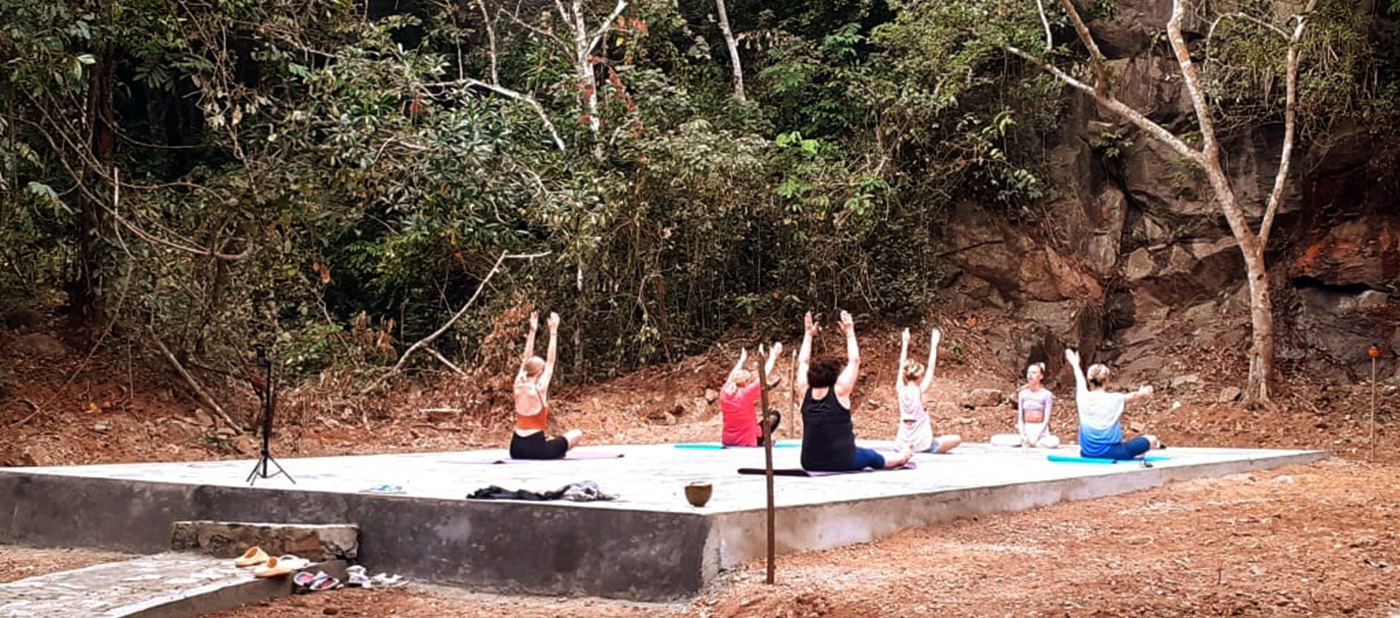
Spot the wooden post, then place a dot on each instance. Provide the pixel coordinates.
(767, 451)
(1375, 353)
(793, 395)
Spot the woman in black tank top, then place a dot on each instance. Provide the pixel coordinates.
(828, 436)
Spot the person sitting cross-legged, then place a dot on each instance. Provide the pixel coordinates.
(1033, 405)
(532, 401)
(737, 398)
(1100, 433)
(912, 382)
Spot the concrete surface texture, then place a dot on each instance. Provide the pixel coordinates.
(648, 544)
(158, 586)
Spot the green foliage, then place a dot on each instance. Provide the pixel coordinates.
(1111, 145)
(356, 186)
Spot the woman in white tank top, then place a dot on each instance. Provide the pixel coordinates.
(912, 382)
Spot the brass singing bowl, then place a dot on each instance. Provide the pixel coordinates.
(698, 493)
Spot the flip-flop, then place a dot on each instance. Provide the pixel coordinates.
(280, 566)
(324, 582)
(272, 568)
(253, 557)
(305, 578)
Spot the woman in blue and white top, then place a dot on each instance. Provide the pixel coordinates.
(1100, 434)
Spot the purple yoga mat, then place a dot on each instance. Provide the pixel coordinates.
(819, 473)
(503, 457)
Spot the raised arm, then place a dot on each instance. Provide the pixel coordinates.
(743, 357)
(773, 354)
(903, 356)
(553, 351)
(1073, 358)
(804, 356)
(846, 382)
(934, 339)
(530, 340)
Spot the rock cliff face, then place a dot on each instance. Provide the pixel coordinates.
(1140, 244)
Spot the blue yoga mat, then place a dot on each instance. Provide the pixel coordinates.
(1094, 460)
(715, 446)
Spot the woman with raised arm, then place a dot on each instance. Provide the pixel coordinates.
(737, 398)
(532, 400)
(828, 437)
(912, 383)
(1100, 434)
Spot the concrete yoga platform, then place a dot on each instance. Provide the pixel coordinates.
(649, 544)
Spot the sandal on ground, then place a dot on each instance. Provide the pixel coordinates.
(280, 566)
(253, 557)
(323, 581)
(384, 580)
(355, 576)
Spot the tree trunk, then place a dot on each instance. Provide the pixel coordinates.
(85, 291)
(583, 65)
(733, 50)
(1261, 352)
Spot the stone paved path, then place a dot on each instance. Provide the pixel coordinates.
(119, 588)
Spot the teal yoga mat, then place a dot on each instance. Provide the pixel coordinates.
(715, 446)
(1093, 460)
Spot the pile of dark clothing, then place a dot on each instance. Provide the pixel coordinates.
(587, 491)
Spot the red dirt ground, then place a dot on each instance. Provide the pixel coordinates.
(1304, 541)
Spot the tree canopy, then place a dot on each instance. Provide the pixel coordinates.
(339, 177)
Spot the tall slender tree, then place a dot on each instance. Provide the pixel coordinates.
(1208, 158)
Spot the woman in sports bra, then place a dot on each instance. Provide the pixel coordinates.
(532, 401)
(1033, 405)
(828, 437)
(912, 383)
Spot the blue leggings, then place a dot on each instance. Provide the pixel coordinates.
(1125, 450)
(867, 458)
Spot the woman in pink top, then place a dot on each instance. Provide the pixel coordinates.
(737, 398)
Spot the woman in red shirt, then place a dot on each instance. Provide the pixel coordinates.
(737, 397)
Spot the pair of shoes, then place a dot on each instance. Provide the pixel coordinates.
(355, 576)
(281, 565)
(254, 556)
(307, 582)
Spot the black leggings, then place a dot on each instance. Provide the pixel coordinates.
(535, 446)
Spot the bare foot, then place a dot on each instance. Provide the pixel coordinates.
(903, 457)
(574, 436)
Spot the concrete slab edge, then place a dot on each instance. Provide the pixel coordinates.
(742, 535)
